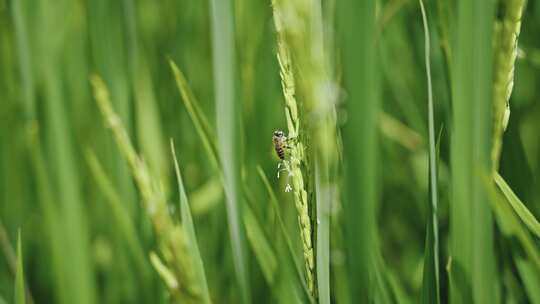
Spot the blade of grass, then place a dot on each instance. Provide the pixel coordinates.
(11, 259)
(170, 236)
(108, 49)
(255, 234)
(261, 246)
(50, 215)
(519, 207)
(396, 286)
(75, 244)
(531, 278)
(20, 294)
(510, 223)
(380, 278)
(118, 209)
(197, 117)
(431, 287)
(324, 197)
(283, 229)
(471, 223)
(43, 178)
(148, 122)
(24, 58)
(228, 130)
(187, 223)
(360, 138)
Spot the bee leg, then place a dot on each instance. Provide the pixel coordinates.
(285, 168)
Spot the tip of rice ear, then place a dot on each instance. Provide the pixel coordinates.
(506, 117)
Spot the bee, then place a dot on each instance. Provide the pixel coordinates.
(280, 143)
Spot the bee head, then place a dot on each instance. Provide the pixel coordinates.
(278, 133)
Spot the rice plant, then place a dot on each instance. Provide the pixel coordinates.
(299, 151)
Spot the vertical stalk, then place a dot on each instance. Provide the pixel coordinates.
(471, 234)
(361, 145)
(228, 117)
(431, 287)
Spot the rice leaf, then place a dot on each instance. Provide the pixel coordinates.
(324, 196)
(197, 116)
(510, 223)
(471, 220)
(119, 211)
(521, 210)
(20, 293)
(360, 143)
(283, 229)
(228, 129)
(261, 246)
(531, 278)
(430, 286)
(187, 223)
(148, 122)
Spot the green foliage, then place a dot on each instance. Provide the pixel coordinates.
(187, 223)
(361, 147)
(20, 290)
(431, 282)
(521, 210)
(370, 207)
(228, 127)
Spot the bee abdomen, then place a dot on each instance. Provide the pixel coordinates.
(280, 152)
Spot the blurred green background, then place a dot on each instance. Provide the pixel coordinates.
(65, 185)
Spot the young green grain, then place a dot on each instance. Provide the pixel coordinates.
(172, 239)
(506, 45)
(297, 156)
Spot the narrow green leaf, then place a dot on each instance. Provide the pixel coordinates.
(148, 122)
(24, 58)
(20, 294)
(283, 229)
(521, 210)
(187, 223)
(531, 278)
(119, 211)
(228, 132)
(360, 143)
(261, 246)
(510, 223)
(197, 116)
(431, 287)
(323, 194)
(78, 268)
(471, 222)
(400, 295)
